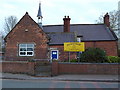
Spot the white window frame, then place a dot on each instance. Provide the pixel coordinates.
(26, 47)
(57, 54)
(78, 39)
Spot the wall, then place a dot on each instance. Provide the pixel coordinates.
(26, 31)
(110, 47)
(119, 43)
(62, 68)
(85, 68)
(17, 67)
(64, 56)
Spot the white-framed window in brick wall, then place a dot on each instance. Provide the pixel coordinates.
(78, 39)
(26, 49)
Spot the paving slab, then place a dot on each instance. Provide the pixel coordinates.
(102, 78)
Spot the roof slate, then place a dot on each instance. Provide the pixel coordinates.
(60, 38)
(89, 32)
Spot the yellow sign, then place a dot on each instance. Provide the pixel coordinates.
(74, 46)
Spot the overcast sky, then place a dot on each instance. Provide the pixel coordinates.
(53, 11)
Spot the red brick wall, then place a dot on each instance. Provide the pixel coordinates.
(110, 47)
(55, 68)
(17, 67)
(63, 56)
(62, 68)
(83, 68)
(18, 35)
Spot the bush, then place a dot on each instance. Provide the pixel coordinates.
(113, 59)
(93, 55)
(74, 60)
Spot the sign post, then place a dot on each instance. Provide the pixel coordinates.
(74, 47)
(69, 56)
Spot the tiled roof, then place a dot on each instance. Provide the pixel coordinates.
(89, 32)
(60, 38)
(53, 28)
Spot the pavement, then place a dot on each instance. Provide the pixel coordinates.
(95, 78)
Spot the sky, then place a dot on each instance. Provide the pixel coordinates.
(53, 11)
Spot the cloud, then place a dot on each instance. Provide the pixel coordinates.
(80, 11)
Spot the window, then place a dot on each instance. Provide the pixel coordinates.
(78, 39)
(26, 49)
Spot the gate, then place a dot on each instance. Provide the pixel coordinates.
(43, 68)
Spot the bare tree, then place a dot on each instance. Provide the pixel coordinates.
(113, 21)
(10, 22)
(1, 41)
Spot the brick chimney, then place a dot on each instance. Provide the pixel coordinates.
(66, 24)
(106, 20)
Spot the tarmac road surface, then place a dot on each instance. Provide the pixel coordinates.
(11, 83)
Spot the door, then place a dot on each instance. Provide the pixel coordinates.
(54, 54)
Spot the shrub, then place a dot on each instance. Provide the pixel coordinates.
(93, 55)
(74, 60)
(113, 59)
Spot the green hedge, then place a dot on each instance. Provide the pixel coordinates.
(93, 55)
(97, 55)
(74, 60)
(113, 59)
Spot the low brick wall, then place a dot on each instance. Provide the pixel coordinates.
(85, 68)
(17, 67)
(62, 68)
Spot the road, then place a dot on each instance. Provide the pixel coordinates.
(9, 83)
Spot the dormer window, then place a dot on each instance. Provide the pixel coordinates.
(78, 39)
